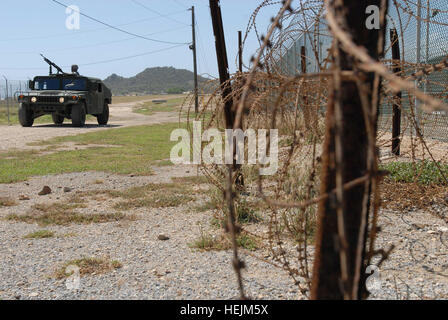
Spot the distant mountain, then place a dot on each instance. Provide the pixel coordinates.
(154, 81)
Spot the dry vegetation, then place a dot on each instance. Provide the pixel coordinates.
(276, 94)
(88, 266)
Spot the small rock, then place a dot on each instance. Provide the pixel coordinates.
(46, 190)
(418, 226)
(23, 198)
(67, 189)
(163, 237)
(17, 297)
(34, 294)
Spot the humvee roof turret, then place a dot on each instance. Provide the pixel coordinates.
(65, 95)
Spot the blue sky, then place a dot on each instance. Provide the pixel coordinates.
(30, 27)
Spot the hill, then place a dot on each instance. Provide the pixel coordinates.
(153, 81)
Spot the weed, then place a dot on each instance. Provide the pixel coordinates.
(41, 234)
(88, 266)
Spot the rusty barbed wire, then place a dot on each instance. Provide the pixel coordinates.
(291, 95)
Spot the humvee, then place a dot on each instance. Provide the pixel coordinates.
(65, 95)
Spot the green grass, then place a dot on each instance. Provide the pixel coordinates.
(131, 99)
(150, 108)
(41, 234)
(207, 242)
(423, 172)
(247, 242)
(133, 150)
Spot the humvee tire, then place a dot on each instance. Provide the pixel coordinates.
(103, 118)
(26, 118)
(78, 115)
(57, 118)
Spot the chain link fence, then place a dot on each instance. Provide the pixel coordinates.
(422, 27)
(9, 91)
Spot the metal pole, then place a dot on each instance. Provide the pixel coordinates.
(240, 51)
(427, 43)
(7, 99)
(419, 37)
(396, 117)
(195, 63)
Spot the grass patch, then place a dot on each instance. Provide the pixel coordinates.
(423, 172)
(88, 266)
(130, 99)
(150, 108)
(133, 150)
(245, 213)
(41, 234)
(7, 202)
(247, 242)
(208, 242)
(64, 214)
(160, 195)
(191, 180)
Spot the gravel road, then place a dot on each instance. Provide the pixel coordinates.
(121, 115)
(152, 269)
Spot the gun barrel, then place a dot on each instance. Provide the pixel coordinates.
(51, 63)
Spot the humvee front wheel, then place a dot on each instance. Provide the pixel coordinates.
(26, 118)
(57, 118)
(103, 118)
(79, 115)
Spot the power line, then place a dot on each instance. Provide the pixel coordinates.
(83, 31)
(119, 29)
(92, 45)
(181, 5)
(106, 61)
(158, 13)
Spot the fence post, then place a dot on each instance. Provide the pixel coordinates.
(396, 117)
(305, 107)
(418, 45)
(339, 271)
(7, 100)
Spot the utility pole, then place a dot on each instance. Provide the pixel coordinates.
(240, 51)
(223, 65)
(195, 63)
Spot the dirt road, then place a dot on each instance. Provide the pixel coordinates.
(121, 115)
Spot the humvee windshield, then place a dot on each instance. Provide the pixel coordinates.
(74, 84)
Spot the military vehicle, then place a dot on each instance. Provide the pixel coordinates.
(64, 95)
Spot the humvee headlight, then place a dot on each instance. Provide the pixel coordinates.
(61, 100)
(74, 97)
(33, 99)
